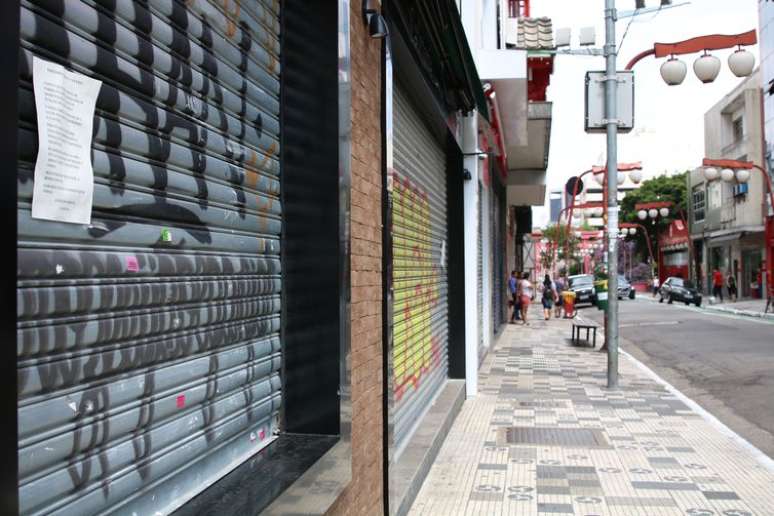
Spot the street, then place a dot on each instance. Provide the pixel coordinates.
(723, 362)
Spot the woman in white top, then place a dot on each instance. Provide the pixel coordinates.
(526, 291)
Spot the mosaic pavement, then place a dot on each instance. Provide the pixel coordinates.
(544, 436)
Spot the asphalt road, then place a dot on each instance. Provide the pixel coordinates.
(723, 362)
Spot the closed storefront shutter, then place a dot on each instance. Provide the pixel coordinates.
(498, 250)
(419, 232)
(480, 270)
(149, 347)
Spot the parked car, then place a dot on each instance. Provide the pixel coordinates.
(678, 289)
(583, 286)
(624, 288)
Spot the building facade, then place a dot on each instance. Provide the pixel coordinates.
(555, 205)
(727, 219)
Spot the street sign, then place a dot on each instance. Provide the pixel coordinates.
(595, 119)
(570, 187)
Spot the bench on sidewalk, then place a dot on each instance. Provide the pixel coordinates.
(579, 324)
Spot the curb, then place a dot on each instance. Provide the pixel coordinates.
(744, 313)
(761, 458)
(731, 311)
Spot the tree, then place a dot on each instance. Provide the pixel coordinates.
(662, 188)
(561, 239)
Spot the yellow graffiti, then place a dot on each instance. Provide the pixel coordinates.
(416, 285)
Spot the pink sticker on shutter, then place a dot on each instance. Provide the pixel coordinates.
(262, 434)
(132, 265)
(181, 401)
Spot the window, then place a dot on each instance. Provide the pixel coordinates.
(699, 203)
(737, 129)
(715, 194)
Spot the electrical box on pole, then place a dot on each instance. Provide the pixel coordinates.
(595, 121)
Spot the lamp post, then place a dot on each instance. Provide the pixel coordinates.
(740, 171)
(632, 228)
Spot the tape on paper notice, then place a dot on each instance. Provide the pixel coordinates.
(64, 178)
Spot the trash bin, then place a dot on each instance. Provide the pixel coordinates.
(568, 300)
(600, 288)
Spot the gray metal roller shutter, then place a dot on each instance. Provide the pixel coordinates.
(480, 270)
(498, 250)
(148, 342)
(420, 341)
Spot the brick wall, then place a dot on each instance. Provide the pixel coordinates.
(364, 494)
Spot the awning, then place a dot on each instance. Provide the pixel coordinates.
(712, 242)
(435, 31)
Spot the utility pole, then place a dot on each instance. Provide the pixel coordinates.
(611, 116)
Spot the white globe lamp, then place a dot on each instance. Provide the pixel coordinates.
(642, 214)
(635, 176)
(711, 173)
(741, 63)
(653, 213)
(742, 175)
(621, 178)
(706, 68)
(727, 175)
(673, 71)
(632, 231)
(598, 212)
(599, 178)
(663, 212)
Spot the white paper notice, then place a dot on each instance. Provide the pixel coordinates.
(64, 179)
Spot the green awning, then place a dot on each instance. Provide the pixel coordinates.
(434, 29)
(457, 43)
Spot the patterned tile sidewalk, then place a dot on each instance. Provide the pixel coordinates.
(544, 436)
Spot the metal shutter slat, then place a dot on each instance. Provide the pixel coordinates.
(420, 285)
(148, 341)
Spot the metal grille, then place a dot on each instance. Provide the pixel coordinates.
(420, 341)
(148, 341)
(568, 437)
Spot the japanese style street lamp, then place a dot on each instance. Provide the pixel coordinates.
(737, 170)
(706, 67)
(631, 229)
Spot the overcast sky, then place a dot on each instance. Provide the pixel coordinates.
(669, 120)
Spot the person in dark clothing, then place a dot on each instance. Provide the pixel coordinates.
(731, 286)
(549, 296)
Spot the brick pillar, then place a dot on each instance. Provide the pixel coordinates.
(364, 494)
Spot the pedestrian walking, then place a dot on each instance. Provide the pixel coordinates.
(513, 288)
(548, 289)
(559, 283)
(526, 293)
(655, 286)
(731, 286)
(717, 284)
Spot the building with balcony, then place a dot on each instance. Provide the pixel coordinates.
(727, 218)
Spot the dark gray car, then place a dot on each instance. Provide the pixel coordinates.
(583, 286)
(678, 289)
